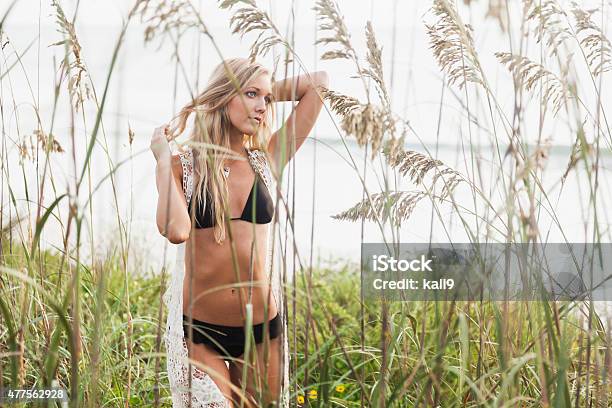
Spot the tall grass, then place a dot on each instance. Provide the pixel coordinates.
(95, 326)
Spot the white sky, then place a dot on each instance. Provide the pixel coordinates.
(141, 91)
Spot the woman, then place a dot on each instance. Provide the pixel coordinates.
(218, 199)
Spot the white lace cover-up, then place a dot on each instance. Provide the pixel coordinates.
(204, 391)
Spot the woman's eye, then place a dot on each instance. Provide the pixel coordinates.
(268, 99)
(250, 92)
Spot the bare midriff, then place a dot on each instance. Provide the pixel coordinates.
(215, 295)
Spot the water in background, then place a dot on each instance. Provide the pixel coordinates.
(325, 184)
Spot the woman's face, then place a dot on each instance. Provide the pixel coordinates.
(249, 112)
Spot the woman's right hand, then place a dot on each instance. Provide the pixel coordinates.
(159, 144)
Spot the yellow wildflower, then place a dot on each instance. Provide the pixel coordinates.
(312, 394)
(300, 399)
(340, 388)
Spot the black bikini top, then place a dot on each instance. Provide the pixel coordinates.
(258, 209)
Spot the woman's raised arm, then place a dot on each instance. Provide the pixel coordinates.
(300, 122)
(172, 216)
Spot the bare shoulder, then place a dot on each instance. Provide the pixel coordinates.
(177, 166)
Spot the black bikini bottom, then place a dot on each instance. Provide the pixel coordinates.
(227, 340)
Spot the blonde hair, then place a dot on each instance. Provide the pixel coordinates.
(211, 130)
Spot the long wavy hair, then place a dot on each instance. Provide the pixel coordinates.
(211, 134)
